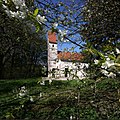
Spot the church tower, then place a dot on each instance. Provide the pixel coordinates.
(52, 50)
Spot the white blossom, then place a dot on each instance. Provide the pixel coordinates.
(108, 63)
(4, 6)
(17, 7)
(71, 117)
(42, 83)
(31, 99)
(55, 25)
(59, 4)
(50, 81)
(19, 4)
(107, 58)
(92, 86)
(118, 51)
(76, 98)
(62, 34)
(96, 61)
(22, 92)
(84, 82)
(5, 1)
(23, 88)
(18, 14)
(22, 106)
(88, 10)
(40, 94)
(111, 75)
(40, 19)
(105, 72)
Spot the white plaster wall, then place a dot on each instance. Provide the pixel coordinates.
(52, 55)
(75, 68)
(52, 51)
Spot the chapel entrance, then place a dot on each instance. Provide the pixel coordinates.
(53, 73)
(66, 72)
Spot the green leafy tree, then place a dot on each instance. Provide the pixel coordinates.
(101, 33)
(21, 48)
(101, 25)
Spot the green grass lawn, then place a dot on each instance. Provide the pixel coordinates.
(60, 100)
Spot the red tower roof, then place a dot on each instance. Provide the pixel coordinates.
(70, 56)
(52, 37)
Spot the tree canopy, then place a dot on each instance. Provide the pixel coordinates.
(22, 50)
(101, 24)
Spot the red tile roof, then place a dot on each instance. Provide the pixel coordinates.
(69, 56)
(52, 37)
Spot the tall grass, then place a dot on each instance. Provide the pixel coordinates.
(60, 100)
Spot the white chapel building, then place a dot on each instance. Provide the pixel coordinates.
(63, 64)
